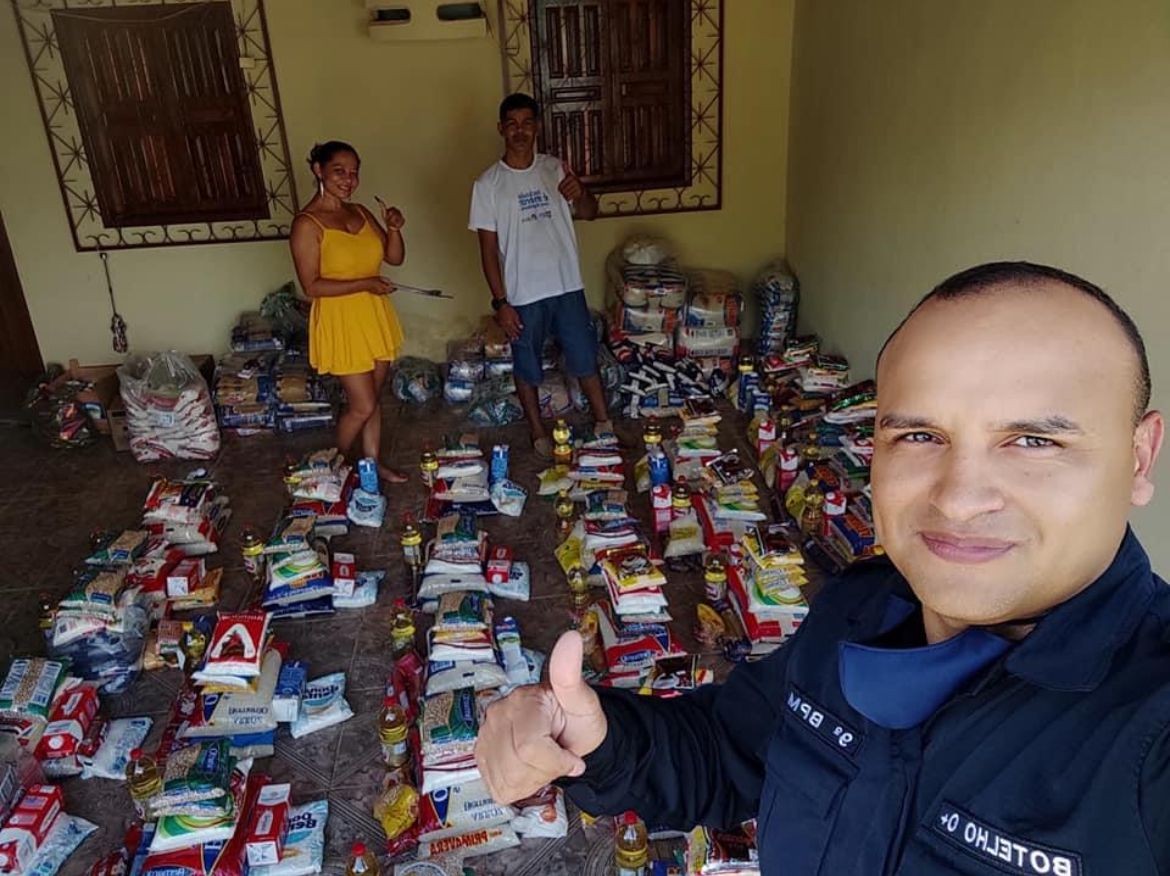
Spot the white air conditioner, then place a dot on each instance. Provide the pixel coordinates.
(409, 20)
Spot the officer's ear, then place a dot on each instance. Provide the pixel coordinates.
(1147, 444)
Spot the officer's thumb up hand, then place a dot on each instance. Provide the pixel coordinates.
(540, 733)
(585, 724)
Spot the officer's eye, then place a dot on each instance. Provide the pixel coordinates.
(1033, 442)
(916, 438)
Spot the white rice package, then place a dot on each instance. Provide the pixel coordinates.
(323, 705)
(67, 833)
(365, 591)
(123, 735)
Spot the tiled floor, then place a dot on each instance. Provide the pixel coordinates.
(53, 499)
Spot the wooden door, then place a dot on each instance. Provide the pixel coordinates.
(20, 357)
(573, 66)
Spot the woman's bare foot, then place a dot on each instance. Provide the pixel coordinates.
(391, 475)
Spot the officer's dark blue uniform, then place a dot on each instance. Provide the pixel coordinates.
(1052, 756)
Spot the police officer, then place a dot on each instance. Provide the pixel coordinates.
(997, 700)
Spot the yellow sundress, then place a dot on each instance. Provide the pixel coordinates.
(348, 333)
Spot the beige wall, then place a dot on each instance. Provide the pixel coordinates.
(423, 116)
(929, 136)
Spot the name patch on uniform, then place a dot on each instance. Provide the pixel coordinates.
(828, 727)
(1010, 853)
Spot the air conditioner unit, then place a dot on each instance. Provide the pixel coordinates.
(410, 20)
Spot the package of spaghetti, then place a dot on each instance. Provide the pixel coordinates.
(458, 809)
(471, 845)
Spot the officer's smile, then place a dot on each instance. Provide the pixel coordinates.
(964, 549)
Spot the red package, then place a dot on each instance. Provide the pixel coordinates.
(499, 565)
(404, 685)
(344, 573)
(69, 722)
(186, 577)
(27, 826)
(268, 826)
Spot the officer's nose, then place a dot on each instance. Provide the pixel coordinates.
(965, 487)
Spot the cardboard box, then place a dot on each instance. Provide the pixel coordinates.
(27, 826)
(69, 722)
(119, 432)
(186, 577)
(344, 573)
(268, 828)
(499, 565)
(97, 398)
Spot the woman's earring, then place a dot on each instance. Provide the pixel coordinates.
(320, 186)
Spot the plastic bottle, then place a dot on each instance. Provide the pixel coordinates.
(428, 465)
(411, 542)
(252, 547)
(393, 730)
(632, 848)
(48, 615)
(565, 508)
(362, 860)
(812, 518)
(401, 629)
(652, 435)
(579, 587)
(145, 781)
(715, 578)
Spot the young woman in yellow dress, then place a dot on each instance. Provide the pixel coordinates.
(338, 249)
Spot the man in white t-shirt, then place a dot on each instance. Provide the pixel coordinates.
(523, 207)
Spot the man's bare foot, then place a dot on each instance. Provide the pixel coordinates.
(391, 475)
(543, 447)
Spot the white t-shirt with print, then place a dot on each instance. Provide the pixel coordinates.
(534, 225)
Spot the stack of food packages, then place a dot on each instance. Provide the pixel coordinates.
(54, 720)
(435, 801)
(460, 478)
(675, 331)
(603, 548)
(479, 373)
(245, 392)
(778, 297)
(302, 575)
(169, 412)
(712, 852)
(716, 509)
(102, 626)
(303, 398)
(265, 383)
(813, 431)
(205, 810)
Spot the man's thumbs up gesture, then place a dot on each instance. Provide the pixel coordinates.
(541, 732)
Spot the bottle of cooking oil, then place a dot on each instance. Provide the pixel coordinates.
(393, 730)
(428, 465)
(812, 518)
(401, 629)
(715, 579)
(565, 508)
(579, 587)
(145, 781)
(362, 860)
(631, 854)
(252, 547)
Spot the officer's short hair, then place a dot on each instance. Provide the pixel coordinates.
(988, 277)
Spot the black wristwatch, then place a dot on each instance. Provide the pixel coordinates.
(497, 303)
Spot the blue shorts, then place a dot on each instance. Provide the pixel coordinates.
(566, 317)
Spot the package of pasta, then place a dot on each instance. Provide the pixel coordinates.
(484, 841)
(29, 688)
(458, 809)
